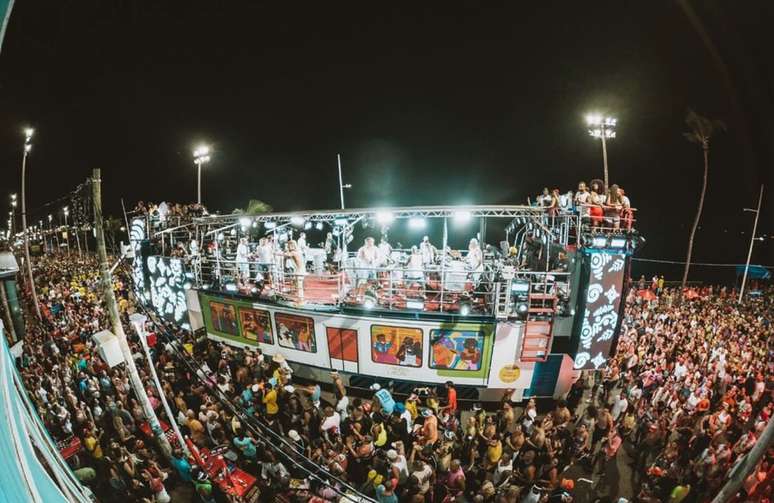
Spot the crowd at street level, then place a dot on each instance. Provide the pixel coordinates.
(687, 390)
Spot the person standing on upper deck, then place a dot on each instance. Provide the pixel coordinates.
(368, 258)
(582, 199)
(242, 256)
(428, 251)
(475, 260)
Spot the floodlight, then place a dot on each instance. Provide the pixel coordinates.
(384, 217)
(270, 225)
(319, 226)
(307, 226)
(297, 220)
(462, 216)
(340, 221)
(244, 222)
(417, 223)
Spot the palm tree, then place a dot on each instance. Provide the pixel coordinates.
(254, 207)
(701, 130)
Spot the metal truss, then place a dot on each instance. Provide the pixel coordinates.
(485, 211)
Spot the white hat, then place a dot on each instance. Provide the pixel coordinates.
(532, 413)
(294, 435)
(279, 358)
(376, 386)
(255, 388)
(289, 388)
(392, 454)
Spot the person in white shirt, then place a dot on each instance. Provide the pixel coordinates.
(581, 199)
(385, 250)
(265, 255)
(163, 211)
(414, 267)
(475, 260)
(242, 257)
(368, 259)
(301, 241)
(620, 405)
(331, 422)
(428, 251)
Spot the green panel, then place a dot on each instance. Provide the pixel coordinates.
(486, 353)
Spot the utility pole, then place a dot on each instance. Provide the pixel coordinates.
(115, 320)
(342, 185)
(749, 462)
(752, 242)
(27, 147)
(138, 322)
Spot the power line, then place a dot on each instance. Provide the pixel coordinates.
(677, 262)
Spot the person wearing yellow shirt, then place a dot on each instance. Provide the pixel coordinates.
(270, 401)
(494, 452)
(91, 442)
(411, 406)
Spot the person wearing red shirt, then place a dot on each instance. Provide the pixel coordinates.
(451, 399)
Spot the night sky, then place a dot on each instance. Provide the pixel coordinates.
(428, 103)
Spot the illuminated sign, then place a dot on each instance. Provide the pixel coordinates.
(167, 288)
(136, 237)
(603, 298)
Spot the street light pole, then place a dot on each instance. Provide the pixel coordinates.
(201, 156)
(752, 242)
(602, 128)
(27, 147)
(342, 185)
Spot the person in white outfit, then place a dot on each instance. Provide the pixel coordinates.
(242, 259)
(475, 260)
(368, 258)
(428, 251)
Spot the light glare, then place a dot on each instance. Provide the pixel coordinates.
(416, 223)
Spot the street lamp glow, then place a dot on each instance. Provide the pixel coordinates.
(13, 197)
(28, 132)
(602, 127)
(201, 156)
(66, 210)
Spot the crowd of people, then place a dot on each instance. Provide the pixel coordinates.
(163, 214)
(688, 393)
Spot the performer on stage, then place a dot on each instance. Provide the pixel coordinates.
(368, 258)
(428, 251)
(475, 260)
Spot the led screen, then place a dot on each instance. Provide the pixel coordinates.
(602, 309)
(167, 288)
(136, 236)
